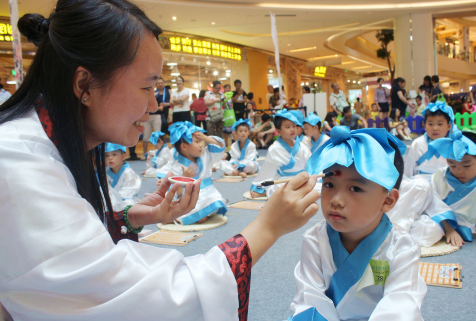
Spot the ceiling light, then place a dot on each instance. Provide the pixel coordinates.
(213, 23)
(175, 72)
(360, 6)
(315, 85)
(11, 80)
(222, 78)
(362, 67)
(358, 82)
(195, 85)
(227, 75)
(209, 62)
(347, 62)
(302, 84)
(353, 81)
(173, 80)
(215, 73)
(302, 49)
(174, 18)
(271, 71)
(307, 84)
(172, 61)
(319, 58)
(348, 80)
(228, 71)
(174, 85)
(289, 44)
(336, 55)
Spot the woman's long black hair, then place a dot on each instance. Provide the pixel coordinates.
(100, 35)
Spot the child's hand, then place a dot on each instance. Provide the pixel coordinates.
(149, 156)
(200, 135)
(188, 171)
(454, 238)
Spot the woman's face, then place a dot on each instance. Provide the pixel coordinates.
(426, 82)
(402, 84)
(397, 113)
(380, 82)
(179, 82)
(116, 113)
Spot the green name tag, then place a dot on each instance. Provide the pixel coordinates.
(380, 270)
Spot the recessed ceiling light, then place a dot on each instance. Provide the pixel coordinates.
(215, 73)
(289, 44)
(271, 71)
(174, 18)
(348, 80)
(302, 49)
(213, 23)
(209, 62)
(353, 81)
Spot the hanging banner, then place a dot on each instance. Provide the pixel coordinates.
(274, 35)
(17, 53)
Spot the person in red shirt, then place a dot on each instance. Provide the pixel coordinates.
(200, 110)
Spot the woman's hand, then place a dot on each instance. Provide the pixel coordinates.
(159, 207)
(288, 209)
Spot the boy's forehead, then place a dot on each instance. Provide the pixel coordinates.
(436, 118)
(348, 173)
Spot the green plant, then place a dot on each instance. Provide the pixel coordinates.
(385, 36)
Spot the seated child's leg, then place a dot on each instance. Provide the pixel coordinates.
(250, 168)
(425, 231)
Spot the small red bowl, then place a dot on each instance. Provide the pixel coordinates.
(182, 180)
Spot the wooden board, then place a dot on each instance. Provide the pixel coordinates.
(171, 238)
(230, 180)
(248, 205)
(446, 275)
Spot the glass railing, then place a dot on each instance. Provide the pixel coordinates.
(453, 51)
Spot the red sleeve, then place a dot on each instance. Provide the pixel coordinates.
(238, 254)
(114, 229)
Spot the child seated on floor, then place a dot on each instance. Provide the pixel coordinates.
(299, 126)
(191, 159)
(312, 128)
(120, 175)
(456, 185)
(374, 113)
(286, 157)
(398, 125)
(242, 153)
(439, 120)
(355, 265)
(420, 106)
(158, 157)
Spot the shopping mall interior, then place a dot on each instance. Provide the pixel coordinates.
(320, 43)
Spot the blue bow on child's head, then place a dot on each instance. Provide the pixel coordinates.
(453, 147)
(313, 120)
(298, 115)
(440, 105)
(242, 121)
(154, 137)
(110, 147)
(368, 149)
(286, 114)
(183, 130)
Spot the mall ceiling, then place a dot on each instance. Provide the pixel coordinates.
(302, 24)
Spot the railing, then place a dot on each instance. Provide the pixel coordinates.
(465, 120)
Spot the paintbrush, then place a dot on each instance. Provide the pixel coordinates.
(281, 181)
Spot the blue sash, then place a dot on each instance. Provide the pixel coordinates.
(351, 267)
(292, 152)
(461, 190)
(115, 177)
(315, 144)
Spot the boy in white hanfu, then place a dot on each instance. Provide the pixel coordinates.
(314, 137)
(242, 153)
(158, 157)
(456, 185)
(286, 157)
(439, 121)
(191, 159)
(120, 175)
(355, 265)
(297, 113)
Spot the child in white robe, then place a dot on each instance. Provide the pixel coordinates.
(355, 265)
(297, 113)
(439, 120)
(120, 175)
(314, 137)
(191, 159)
(456, 185)
(286, 157)
(243, 152)
(158, 157)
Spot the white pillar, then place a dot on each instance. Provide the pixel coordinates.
(414, 52)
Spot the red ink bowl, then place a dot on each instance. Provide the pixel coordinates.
(182, 180)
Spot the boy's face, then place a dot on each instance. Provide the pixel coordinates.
(310, 130)
(159, 144)
(465, 170)
(194, 149)
(288, 130)
(352, 204)
(374, 107)
(437, 126)
(243, 132)
(418, 101)
(115, 158)
(299, 130)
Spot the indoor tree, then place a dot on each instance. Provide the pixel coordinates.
(385, 36)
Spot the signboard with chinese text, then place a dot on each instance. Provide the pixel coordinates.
(203, 47)
(6, 32)
(320, 71)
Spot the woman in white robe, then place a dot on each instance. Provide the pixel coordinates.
(59, 257)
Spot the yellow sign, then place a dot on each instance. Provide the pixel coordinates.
(6, 32)
(320, 71)
(203, 47)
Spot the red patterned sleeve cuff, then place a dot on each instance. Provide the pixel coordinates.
(238, 254)
(115, 229)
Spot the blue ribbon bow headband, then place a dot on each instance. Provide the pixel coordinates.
(440, 105)
(154, 137)
(183, 130)
(286, 114)
(453, 147)
(368, 149)
(298, 115)
(242, 121)
(313, 120)
(110, 147)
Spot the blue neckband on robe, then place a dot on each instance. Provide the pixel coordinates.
(154, 137)
(243, 150)
(368, 149)
(183, 130)
(453, 147)
(315, 144)
(115, 177)
(242, 121)
(284, 113)
(298, 115)
(282, 171)
(440, 105)
(110, 147)
(154, 160)
(313, 120)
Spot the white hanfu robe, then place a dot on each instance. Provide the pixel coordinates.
(412, 213)
(59, 263)
(126, 182)
(159, 159)
(378, 281)
(314, 145)
(417, 162)
(245, 159)
(461, 198)
(210, 201)
(281, 162)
